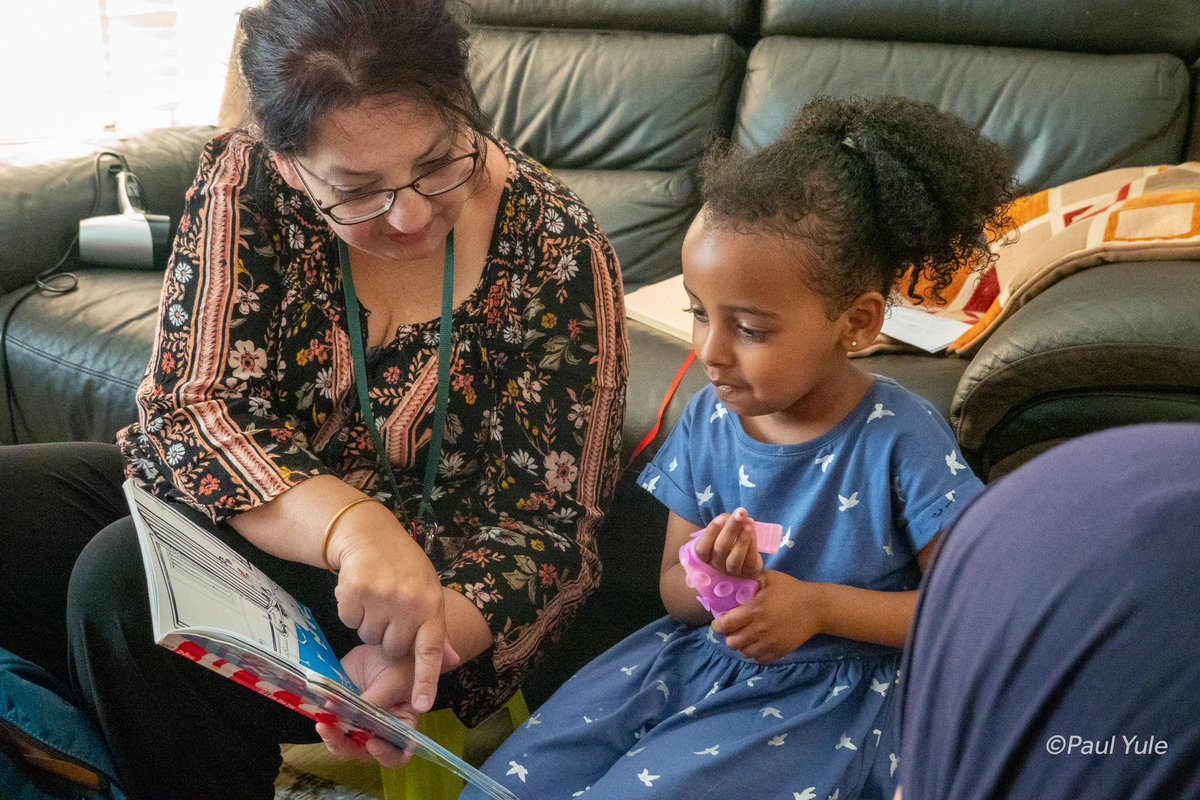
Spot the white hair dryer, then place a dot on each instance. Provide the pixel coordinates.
(132, 238)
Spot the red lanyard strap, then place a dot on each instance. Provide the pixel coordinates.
(649, 437)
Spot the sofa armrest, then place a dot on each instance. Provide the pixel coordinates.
(1107, 333)
(45, 189)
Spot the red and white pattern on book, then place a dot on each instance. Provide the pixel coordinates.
(295, 694)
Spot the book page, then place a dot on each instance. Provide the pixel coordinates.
(927, 331)
(212, 606)
(199, 581)
(661, 306)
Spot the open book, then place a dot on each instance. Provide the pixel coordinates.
(210, 605)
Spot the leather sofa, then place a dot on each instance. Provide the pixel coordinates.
(620, 97)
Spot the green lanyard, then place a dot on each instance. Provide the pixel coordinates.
(425, 509)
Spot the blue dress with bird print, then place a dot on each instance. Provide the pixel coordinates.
(671, 711)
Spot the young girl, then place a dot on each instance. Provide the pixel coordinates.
(787, 269)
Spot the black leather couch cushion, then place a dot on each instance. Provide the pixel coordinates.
(1100, 26)
(1135, 324)
(681, 16)
(75, 360)
(1043, 106)
(581, 103)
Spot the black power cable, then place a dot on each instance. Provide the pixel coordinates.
(49, 282)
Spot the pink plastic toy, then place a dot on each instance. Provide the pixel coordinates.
(719, 592)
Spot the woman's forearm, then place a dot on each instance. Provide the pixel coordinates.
(466, 628)
(865, 615)
(292, 526)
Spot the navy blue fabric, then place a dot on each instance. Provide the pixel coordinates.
(35, 703)
(1055, 652)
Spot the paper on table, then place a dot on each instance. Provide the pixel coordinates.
(927, 331)
(660, 305)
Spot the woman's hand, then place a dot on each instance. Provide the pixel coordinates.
(729, 544)
(784, 614)
(387, 682)
(389, 592)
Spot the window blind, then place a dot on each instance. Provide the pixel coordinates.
(83, 67)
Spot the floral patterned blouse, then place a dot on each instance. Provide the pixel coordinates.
(249, 391)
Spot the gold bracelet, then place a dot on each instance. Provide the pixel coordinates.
(329, 529)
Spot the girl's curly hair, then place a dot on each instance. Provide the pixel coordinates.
(875, 188)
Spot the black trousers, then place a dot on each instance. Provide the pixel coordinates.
(73, 599)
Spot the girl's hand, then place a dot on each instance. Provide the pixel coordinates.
(389, 592)
(386, 682)
(782, 616)
(729, 544)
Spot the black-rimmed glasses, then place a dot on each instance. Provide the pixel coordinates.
(439, 180)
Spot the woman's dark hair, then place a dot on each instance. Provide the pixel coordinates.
(877, 188)
(304, 58)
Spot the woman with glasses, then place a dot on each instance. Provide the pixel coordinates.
(390, 367)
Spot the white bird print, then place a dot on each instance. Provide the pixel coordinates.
(516, 769)
(953, 463)
(950, 495)
(844, 743)
(580, 792)
(824, 461)
(715, 750)
(744, 477)
(718, 411)
(588, 720)
(847, 503)
(673, 465)
(633, 753)
(878, 733)
(716, 688)
(809, 794)
(629, 670)
(887, 548)
(895, 762)
(650, 484)
(786, 541)
(751, 681)
(533, 720)
(662, 635)
(666, 690)
(835, 691)
(879, 413)
(882, 688)
(836, 793)
(645, 777)
(690, 711)
(712, 637)
(771, 711)
(777, 741)
(705, 496)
